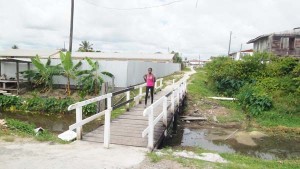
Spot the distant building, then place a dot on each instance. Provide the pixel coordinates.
(280, 43)
(239, 55)
(128, 68)
(197, 63)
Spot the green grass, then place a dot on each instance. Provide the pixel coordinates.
(186, 69)
(23, 129)
(235, 161)
(198, 85)
(272, 118)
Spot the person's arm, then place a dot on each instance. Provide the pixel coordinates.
(145, 78)
(154, 78)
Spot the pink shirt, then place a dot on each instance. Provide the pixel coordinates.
(150, 80)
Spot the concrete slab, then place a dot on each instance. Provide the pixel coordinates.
(77, 155)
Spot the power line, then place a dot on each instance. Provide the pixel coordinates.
(136, 8)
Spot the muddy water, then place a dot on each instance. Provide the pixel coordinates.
(56, 123)
(214, 139)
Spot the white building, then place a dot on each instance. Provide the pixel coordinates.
(239, 55)
(127, 68)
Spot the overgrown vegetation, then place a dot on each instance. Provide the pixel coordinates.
(267, 87)
(89, 81)
(41, 105)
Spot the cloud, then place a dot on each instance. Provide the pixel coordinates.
(180, 27)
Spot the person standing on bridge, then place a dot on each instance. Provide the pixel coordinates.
(150, 81)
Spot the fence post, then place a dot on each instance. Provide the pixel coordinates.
(151, 129)
(127, 98)
(107, 123)
(165, 111)
(161, 84)
(79, 119)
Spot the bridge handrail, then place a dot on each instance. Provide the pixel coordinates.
(107, 112)
(179, 90)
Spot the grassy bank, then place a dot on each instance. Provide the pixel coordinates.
(199, 89)
(235, 161)
(13, 128)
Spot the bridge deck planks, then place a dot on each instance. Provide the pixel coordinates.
(127, 128)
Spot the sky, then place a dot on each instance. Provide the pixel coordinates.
(189, 27)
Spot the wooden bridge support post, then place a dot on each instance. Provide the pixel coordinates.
(107, 123)
(173, 102)
(178, 96)
(78, 120)
(151, 130)
(127, 99)
(165, 111)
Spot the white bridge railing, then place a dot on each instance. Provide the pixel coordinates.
(177, 94)
(107, 112)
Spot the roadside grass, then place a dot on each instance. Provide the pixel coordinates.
(235, 161)
(186, 69)
(24, 129)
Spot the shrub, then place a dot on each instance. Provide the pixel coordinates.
(20, 126)
(9, 101)
(254, 100)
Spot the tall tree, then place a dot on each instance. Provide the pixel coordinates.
(15, 47)
(69, 69)
(91, 80)
(85, 46)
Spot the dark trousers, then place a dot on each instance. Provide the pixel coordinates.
(151, 88)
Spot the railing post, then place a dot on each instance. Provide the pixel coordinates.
(107, 123)
(151, 130)
(161, 84)
(165, 111)
(127, 98)
(178, 99)
(79, 119)
(140, 95)
(173, 102)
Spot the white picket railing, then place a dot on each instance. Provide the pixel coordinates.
(80, 122)
(176, 95)
(78, 106)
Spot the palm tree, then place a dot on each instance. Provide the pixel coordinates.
(91, 80)
(69, 69)
(85, 46)
(15, 47)
(43, 75)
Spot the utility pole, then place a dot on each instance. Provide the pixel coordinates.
(199, 60)
(71, 26)
(229, 43)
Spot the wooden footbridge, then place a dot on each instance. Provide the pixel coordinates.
(139, 126)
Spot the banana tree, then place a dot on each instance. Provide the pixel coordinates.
(43, 75)
(91, 80)
(69, 69)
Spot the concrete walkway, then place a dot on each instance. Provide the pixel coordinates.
(77, 155)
